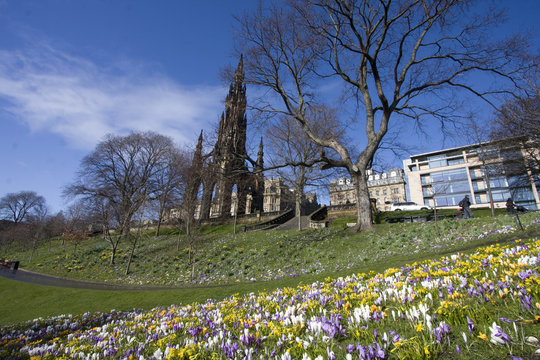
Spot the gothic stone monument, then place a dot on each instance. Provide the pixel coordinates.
(226, 166)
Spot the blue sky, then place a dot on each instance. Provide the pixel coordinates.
(72, 71)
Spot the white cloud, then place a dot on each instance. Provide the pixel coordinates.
(52, 91)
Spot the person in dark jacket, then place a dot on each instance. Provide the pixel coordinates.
(465, 205)
(510, 206)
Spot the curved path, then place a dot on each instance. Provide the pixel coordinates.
(48, 280)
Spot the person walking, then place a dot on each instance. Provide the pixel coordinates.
(465, 205)
(510, 206)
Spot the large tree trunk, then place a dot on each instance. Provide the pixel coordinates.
(134, 244)
(298, 211)
(160, 219)
(363, 204)
(299, 194)
(113, 254)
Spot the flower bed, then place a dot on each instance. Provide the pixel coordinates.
(483, 305)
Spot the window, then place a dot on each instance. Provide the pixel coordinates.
(427, 192)
(500, 195)
(385, 192)
(456, 161)
(461, 186)
(488, 153)
(448, 175)
(377, 192)
(522, 194)
(476, 173)
(448, 200)
(518, 181)
(498, 182)
(436, 161)
(478, 185)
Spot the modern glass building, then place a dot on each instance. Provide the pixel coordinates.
(442, 178)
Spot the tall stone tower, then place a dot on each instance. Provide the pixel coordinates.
(195, 177)
(228, 166)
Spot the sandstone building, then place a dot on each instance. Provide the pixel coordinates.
(221, 183)
(225, 169)
(385, 188)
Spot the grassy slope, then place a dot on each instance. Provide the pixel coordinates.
(390, 245)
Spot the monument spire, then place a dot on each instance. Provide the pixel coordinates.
(260, 155)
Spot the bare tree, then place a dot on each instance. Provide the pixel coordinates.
(18, 206)
(122, 171)
(135, 239)
(36, 221)
(76, 223)
(474, 132)
(54, 225)
(170, 183)
(517, 126)
(103, 212)
(80, 216)
(394, 59)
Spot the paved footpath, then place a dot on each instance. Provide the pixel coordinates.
(48, 280)
(292, 224)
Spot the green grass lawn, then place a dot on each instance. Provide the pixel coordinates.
(224, 258)
(245, 262)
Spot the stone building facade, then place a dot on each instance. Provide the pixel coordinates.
(277, 196)
(221, 183)
(224, 170)
(385, 188)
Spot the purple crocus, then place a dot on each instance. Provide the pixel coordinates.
(331, 355)
(526, 300)
(503, 335)
(470, 324)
